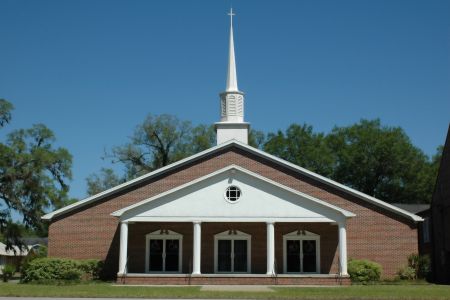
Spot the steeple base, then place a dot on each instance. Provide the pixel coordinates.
(227, 131)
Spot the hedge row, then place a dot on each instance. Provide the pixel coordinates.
(60, 269)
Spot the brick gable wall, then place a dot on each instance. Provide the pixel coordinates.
(375, 234)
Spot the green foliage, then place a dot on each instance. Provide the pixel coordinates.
(159, 141)
(33, 254)
(100, 182)
(256, 138)
(364, 271)
(92, 268)
(8, 272)
(407, 273)
(48, 270)
(382, 162)
(5, 112)
(301, 146)
(419, 265)
(33, 176)
(378, 160)
(51, 269)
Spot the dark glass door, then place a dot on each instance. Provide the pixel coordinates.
(240, 256)
(156, 255)
(224, 255)
(309, 256)
(293, 256)
(172, 255)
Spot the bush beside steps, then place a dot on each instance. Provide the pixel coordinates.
(54, 270)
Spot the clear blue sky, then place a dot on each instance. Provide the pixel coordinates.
(92, 70)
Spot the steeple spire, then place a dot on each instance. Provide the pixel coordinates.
(231, 77)
(232, 125)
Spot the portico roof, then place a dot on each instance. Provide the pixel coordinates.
(203, 199)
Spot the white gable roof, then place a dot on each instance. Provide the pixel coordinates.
(262, 200)
(247, 148)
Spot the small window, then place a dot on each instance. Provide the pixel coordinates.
(233, 193)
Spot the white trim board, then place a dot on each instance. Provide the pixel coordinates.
(234, 143)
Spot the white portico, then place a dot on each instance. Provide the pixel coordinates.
(234, 195)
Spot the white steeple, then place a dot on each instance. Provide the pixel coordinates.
(232, 125)
(231, 76)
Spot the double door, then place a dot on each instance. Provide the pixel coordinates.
(232, 256)
(301, 256)
(164, 255)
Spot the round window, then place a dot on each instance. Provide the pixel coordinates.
(233, 193)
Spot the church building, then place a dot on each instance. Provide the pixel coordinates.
(233, 214)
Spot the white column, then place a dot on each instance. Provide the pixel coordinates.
(270, 248)
(343, 248)
(197, 248)
(123, 247)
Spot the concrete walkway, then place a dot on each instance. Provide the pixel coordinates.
(236, 288)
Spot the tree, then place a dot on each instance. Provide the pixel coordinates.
(301, 146)
(382, 162)
(100, 182)
(159, 141)
(256, 138)
(33, 176)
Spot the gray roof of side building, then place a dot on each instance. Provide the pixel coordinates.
(412, 208)
(31, 241)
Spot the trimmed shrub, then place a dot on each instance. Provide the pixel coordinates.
(32, 255)
(54, 270)
(91, 268)
(364, 271)
(8, 272)
(51, 269)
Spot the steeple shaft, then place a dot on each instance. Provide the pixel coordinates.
(231, 76)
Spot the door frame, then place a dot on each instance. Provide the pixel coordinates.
(163, 235)
(301, 235)
(233, 235)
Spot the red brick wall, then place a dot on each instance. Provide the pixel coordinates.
(91, 232)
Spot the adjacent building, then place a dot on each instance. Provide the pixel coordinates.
(440, 219)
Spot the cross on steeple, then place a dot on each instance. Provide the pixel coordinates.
(231, 14)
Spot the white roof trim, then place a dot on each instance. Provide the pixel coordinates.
(344, 212)
(253, 150)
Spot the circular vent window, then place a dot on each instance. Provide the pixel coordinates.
(233, 193)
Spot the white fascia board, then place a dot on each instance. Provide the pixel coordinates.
(256, 151)
(344, 212)
(333, 183)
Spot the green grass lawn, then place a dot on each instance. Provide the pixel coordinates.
(108, 290)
